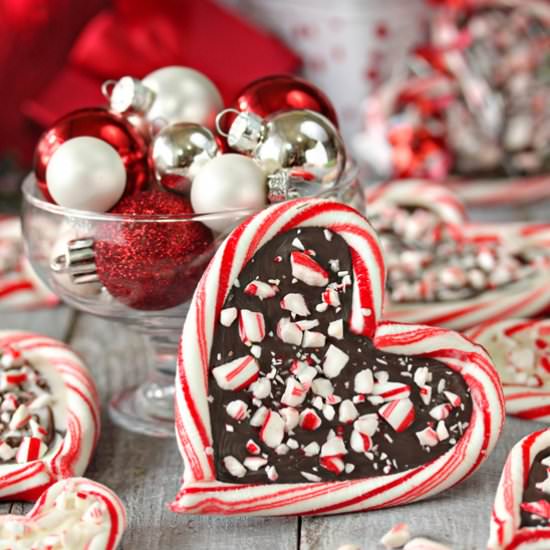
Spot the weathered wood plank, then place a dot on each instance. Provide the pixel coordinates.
(459, 517)
(51, 322)
(145, 472)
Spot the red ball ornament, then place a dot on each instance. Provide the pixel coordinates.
(277, 93)
(152, 265)
(102, 124)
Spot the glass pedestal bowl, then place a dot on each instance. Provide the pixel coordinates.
(62, 245)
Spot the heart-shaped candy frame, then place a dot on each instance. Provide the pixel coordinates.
(522, 400)
(101, 517)
(201, 493)
(505, 531)
(523, 298)
(78, 400)
(20, 287)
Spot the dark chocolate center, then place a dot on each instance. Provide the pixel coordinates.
(391, 434)
(536, 502)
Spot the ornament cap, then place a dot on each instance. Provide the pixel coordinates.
(245, 132)
(285, 185)
(128, 95)
(78, 261)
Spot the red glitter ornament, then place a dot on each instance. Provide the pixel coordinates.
(102, 124)
(277, 93)
(152, 265)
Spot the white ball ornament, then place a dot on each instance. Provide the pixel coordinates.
(183, 95)
(228, 182)
(86, 173)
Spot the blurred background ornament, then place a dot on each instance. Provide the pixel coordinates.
(103, 125)
(178, 152)
(228, 182)
(86, 173)
(302, 143)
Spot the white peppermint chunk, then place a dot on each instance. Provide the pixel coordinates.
(289, 332)
(258, 418)
(336, 329)
(234, 467)
(251, 326)
(290, 417)
(367, 424)
(273, 429)
(322, 387)
(335, 360)
(363, 381)
(313, 339)
(304, 372)
(396, 537)
(295, 303)
(237, 409)
(334, 446)
(254, 463)
(227, 316)
(261, 388)
(347, 412)
(312, 449)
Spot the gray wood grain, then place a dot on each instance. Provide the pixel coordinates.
(145, 472)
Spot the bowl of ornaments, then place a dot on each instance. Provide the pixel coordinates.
(128, 203)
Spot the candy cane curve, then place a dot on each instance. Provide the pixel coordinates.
(505, 532)
(71, 455)
(202, 493)
(109, 535)
(527, 402)
(416, 192)
(20, 288)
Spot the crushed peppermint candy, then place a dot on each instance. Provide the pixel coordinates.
(296, 397)
(27, 427)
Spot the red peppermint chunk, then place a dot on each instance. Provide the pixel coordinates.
(544, 363)
(330, 297)
(391, 391)
(294, 393)
(540, 508)
(360, 442)
(11, 357)
(332, 453)
(252, 447)
(31, 448)
(20, 418)
(307, 270)
(15, 377)
(261, 290)
(309, 420)
(398, 414)
(273, 430)
(428, 437)
(453, 398)
(237, 374)
(441, 412)
(251, 326)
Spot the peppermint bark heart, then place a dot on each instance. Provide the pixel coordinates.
(293, 398)
(521, 513)
(316, 402)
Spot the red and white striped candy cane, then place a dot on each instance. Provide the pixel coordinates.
(416, 192)
(201, 493)
(75, 409)
(20, 288)
(528, 297)
(505, 532)
(529, 400)
(84, 508)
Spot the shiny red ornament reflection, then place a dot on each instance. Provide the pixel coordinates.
(102, 124)
(277, 93)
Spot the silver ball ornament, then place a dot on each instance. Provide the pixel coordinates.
(178, 152)
(182, 95)
(301, 148)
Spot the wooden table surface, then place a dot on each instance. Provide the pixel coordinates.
(145, 472)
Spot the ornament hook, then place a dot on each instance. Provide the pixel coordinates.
(219, 118)
(107, 89)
